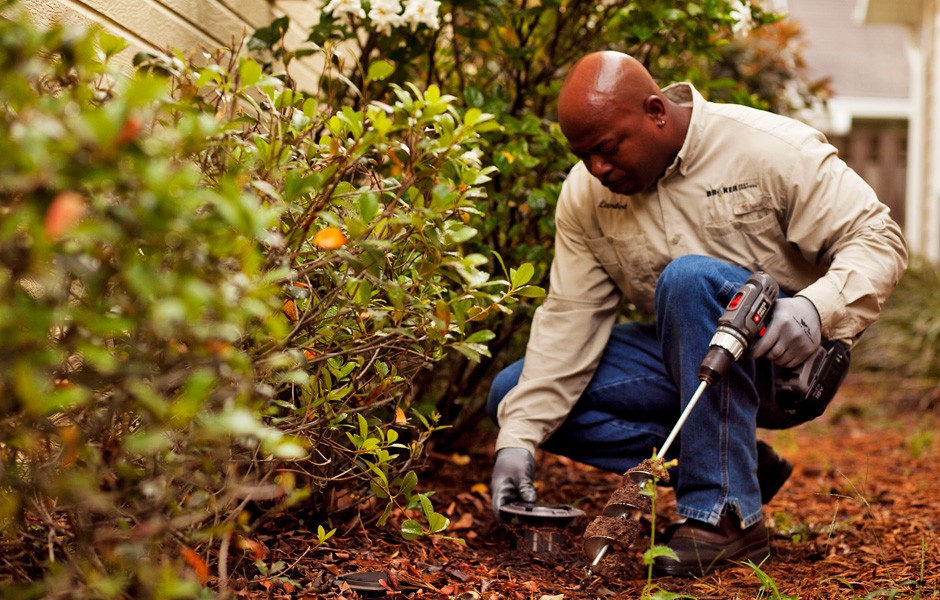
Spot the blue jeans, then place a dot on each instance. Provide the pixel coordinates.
(647, 374)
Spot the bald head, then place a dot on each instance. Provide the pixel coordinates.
(616, 119)
(602, 79)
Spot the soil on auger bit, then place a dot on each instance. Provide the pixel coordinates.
(613, 528)
(629, 494)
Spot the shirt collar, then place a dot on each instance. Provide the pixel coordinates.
(686, 95)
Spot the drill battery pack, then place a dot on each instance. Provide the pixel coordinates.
(805, 391)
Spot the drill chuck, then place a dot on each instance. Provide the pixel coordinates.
(740, 326)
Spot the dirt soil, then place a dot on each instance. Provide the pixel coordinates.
(859, 518)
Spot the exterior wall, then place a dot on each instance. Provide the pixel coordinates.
(877, 150)
(922, 18)
(184, 25)
(931, 124)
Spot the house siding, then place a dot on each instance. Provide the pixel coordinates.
(931, 125)
(184, 25)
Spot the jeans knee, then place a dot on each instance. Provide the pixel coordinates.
(685, 269)
(692, 284)
(504, 381)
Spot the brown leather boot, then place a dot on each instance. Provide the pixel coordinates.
(701, 547)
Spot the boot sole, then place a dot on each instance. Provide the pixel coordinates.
(755, 553)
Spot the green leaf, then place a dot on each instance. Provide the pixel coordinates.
(267, 37)
(249, 72)
(426, 507)
(110, 44)
(377, 489)
(460, 233)
(380, 70)
(323, 535)
(481, 336)
(472, 351)
(386, 513)
(658, 552)
(408, 484)
(521, 276)
(437, 522)
(411, 530)
(471, 117)
(530, 291)
(368, 206)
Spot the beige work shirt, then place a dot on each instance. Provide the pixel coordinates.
(749, 187)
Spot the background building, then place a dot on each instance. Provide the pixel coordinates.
(156, 25)
(867, 118)
(920, 20)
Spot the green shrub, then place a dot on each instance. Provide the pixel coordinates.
(130, 297)
(214, 294)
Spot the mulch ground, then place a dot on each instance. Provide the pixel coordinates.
(859, 518)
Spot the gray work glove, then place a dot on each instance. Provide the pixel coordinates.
(792, 335)
(513, 477)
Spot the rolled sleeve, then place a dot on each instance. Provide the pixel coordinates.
(569, 333)
(837, 219)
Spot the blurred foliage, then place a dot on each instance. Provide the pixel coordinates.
(906, 340)
(214, 294)
(509, 59)
(130, 295)
(768, 63)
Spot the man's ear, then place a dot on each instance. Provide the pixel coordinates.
(655, 107)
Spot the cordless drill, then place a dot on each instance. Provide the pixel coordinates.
(742, 324)
(804, 390)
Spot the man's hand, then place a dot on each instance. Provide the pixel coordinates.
(793, 334)
(513, 477)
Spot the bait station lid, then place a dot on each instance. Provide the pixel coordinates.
(541, 523)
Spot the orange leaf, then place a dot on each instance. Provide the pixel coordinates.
(465, 521)
(64, 213)
(329, 238)
(217, 346)
(400, 418)
(195, 561)
(290, 309)
(129, 131)
(70, 442)
(257, 549)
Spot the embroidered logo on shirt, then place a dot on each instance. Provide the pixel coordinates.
(614, 205)
(730, 189)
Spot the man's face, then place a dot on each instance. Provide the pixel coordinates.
(619, 147)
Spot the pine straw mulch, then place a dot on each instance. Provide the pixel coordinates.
(858, 518)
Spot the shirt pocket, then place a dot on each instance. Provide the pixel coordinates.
(750, 232)
(746, 224)
(626, 258)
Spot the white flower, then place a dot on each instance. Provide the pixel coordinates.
(422, 11)
(741, 13)
(385, 14)
(472, 158)
(345, 7)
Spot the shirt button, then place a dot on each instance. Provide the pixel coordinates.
(675, 239)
